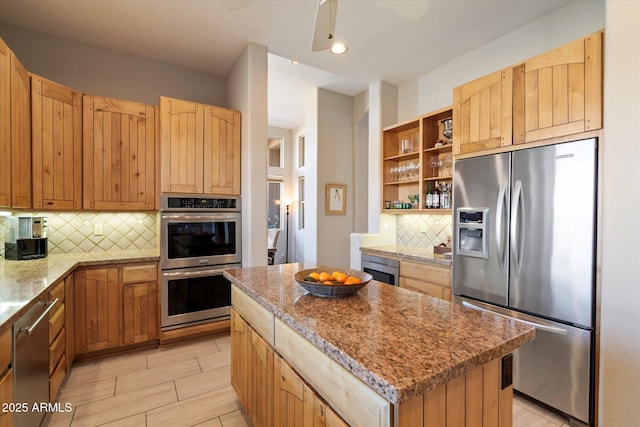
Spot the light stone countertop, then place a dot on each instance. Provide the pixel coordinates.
(410, 253)
(23, 282)
(398, 342)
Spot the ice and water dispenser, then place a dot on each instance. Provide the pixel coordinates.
(472, 232)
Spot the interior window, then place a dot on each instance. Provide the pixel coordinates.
(275, 152)
(274, 194)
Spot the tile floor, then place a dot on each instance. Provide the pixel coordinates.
(184, 384)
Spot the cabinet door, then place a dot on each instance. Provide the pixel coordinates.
(6, 395)
(260, 407)
(482, 117)
(289, 406)
(56, 126)
(98, 309)
(181, 143)
(119, 154)
(5, 125)
(140, 312)
(221, 151)
(20, 135)
(240, 354)
(560, 92)
(70, 321)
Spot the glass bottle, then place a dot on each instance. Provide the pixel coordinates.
(435, 198)
(428, 197)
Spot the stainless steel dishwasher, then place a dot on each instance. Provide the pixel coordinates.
(31, 362)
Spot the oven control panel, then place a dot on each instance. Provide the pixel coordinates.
(186, 203)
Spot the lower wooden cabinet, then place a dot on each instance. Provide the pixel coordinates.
(115, 306)
(430, 279)
(270, 390)
(6, 377)
(57, 339)
(140, 303)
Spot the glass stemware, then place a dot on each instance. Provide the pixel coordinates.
(434, 162)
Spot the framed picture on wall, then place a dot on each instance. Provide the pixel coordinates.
(336, 203)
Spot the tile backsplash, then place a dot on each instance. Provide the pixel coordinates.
(423, 230)
(75, 232)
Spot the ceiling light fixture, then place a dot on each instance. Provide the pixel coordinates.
(338, 48)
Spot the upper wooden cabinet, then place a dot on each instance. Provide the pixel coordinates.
(15, 131)
(119, 155)
(200, 147)
(56, 129)
(482, 113)
(559, 93)
(553, 95)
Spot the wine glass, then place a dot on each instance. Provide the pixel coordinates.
(434, 162)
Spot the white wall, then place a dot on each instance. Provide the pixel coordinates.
(247, 92)
(98, 71)
(620, 314)
(309, 235)
(298, 234)
(335, 165)
(433, 90)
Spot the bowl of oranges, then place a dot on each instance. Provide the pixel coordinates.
(332, 282)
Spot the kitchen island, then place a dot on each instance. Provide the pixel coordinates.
(385, 356)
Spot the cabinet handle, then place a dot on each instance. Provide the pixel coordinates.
(30, 329)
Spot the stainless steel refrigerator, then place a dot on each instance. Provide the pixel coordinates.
(524, 247)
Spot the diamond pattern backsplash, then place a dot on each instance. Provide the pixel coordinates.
(74, 231)
(423, 230)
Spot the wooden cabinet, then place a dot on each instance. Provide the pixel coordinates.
(15, 131)
(56, 129)
(200, 146)
(416, 156)
(120, 155)
(553, 95)
(57, 339)
(482, 115)
(430, 279)
(6, 377)
(70, 321)
(559, 93)
(140, 299)
(270, 390)
(296, 403)
(98, 309)
(115, 306)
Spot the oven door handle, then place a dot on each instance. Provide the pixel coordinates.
(199, 273)
(214, 217)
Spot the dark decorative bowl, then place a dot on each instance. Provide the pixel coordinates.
(332, 291)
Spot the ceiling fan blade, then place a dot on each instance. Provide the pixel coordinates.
(325, 25)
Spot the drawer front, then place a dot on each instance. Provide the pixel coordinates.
(140, 273)
(56, 378)
(57, 292)
(56, 322)
(256, 315)
(431, 289)
(429, 272)
(5, 350)
(56, 349)
(6, 395)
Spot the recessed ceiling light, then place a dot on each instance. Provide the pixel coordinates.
(293, 62)
(338, 48)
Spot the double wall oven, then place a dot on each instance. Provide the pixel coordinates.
(199, 238)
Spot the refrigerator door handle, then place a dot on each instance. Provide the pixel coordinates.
(517, 226)
(500, 243)
(550, 329)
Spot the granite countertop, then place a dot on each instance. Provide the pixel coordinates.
(22, 282)
(412, 253)
(398, 342)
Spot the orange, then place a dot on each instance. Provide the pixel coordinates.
(339, 276)
(324, 276)
(352, 280)
(315, 275)
(327, 282)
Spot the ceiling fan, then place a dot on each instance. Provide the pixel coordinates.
(325, 24)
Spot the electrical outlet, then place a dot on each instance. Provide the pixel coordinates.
(98, 229)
